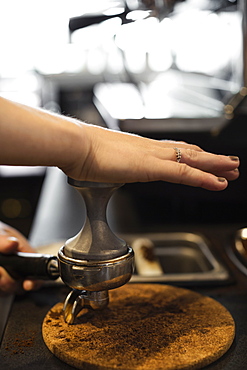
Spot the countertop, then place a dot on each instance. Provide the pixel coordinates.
(23, 347)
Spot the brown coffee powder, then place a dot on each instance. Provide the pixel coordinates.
(145, 327)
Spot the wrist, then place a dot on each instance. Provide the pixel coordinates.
(74, 150)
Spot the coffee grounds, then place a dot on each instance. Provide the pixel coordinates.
(144, 327)
(21, 341)
(148, 253)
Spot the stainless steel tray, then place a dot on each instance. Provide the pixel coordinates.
(183, 257)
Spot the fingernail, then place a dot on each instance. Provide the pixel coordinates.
(234, 158)
(221, 179)
(28, 285)
(236, 170)
(12, 239)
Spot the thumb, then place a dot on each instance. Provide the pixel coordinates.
(8, 244)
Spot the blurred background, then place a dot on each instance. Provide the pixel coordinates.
(160, 68)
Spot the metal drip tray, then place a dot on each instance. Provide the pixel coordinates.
(175, 258)
(237, 250)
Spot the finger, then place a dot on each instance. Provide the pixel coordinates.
(193, 177)
(229, 175)
(8, 244)
(32, 284)
(7, 230)
(7, 284)
(25, 248)
(10, 286)
(181, 144)
(181, 173)
(219, 165)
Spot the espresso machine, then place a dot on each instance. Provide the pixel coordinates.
(183, 64)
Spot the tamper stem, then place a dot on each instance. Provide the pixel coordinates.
(95, 241)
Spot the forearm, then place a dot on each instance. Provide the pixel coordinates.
(30, 136)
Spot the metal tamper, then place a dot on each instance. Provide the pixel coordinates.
(95, 260)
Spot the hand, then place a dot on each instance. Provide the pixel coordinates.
(91, 153)
(11, 241)
(112, 156)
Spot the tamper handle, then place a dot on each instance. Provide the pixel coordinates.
(30, 265)
(95, 241)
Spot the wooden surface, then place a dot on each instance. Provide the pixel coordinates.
(145, 327)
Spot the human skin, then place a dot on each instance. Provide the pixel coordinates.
(12, 241)
(30, 136)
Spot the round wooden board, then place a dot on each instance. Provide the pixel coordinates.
(145, 327)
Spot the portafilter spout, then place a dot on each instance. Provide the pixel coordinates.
(95, 260)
